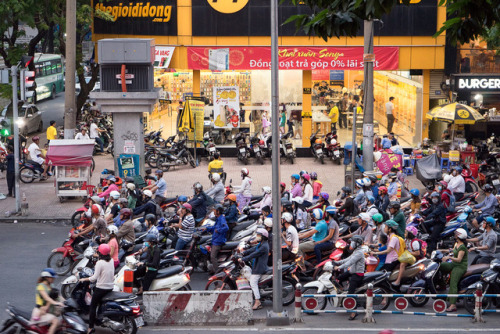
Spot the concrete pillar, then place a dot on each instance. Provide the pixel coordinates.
(128, 129)
(306, 107)
(196, 82)
(425, 103)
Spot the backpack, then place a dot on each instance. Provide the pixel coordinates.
(451, 207)
(402, 245)
(423, 247)
(159, 211)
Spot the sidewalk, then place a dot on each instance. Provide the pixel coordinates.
(45, 205)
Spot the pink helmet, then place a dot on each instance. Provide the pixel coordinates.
(187, 206)
(306, 177)
(104, 249)
(412, 230)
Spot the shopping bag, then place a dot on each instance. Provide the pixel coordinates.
(406, 257)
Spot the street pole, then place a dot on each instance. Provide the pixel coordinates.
(69, 85)
(354, 148)
(277, 317)
(16, 137)
(368, 97)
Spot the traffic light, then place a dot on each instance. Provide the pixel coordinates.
(29, 85)
(26, 61)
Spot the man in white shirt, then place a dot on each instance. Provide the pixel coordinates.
(82, 135)
(94, 134)
(389, 109)
(457, 183)
(37, 156)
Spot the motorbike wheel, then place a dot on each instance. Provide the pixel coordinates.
(66, 290)
(288, 291)
(291, 159)
(76, 218)
(152, 160)
(26, 175)
(260, 160)
(217, 285)
(472, 187)
(339, 161)
(470, 302)
(130, 326)
(160, 162)
(419, 301)
(62, 265)
(9, 327)
(186, 287)
(378, 302)
(191, 160)
(322, 159)
(245, 161)
(320, 302)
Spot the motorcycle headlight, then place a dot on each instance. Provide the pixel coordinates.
(430, 274)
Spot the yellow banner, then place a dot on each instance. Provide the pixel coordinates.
(197, 109)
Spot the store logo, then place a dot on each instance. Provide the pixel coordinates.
(227, 6)
(478, 83)
(138, 9)
(463, 114)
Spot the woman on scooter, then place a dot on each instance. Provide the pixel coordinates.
(457, 267)
(44, 312)
(307, 190)
(391, 260)
(413, 246)
(356, 264)
(244, 191)
(113, 244)
(296, 190)
(149, 268)
(104, 275)
(415, 201)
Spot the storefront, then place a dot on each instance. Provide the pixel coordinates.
(218, 45)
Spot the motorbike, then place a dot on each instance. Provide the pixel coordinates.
(20, 322)
(256, 148)
(118, 311)
(243, 150)
(209, 144)
(490, 281)
(183, 157)
(470, 184)
(333, 149)
(62, 259)
(336, 255)
(287, 149)
(317, 147)
(433, 282)
(30, 171)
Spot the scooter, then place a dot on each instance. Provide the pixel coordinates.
(62, 259)
(317, 148)
(241, 145)
(336, 255)
(333, 148)
(30, 171)
(209, 144)
(255, 148)
(287, 149)
(490, 282)
(184, 157)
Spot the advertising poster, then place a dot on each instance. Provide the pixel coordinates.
(226, 107)
(196, 108)
(163, 56)
(387, 161)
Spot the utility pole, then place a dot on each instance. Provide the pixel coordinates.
(69, 85)
(15, 126)
(369, 58)
(276, 317)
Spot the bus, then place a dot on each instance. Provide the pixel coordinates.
(49, 77)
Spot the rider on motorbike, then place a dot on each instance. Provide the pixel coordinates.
(283, 192)
(374, 186)
(296, 190)
(307, 190)
(457, 183)
(149, 268)
(364, 230)
(359, 198)
(318, 233)
(333, 233)
(186, 227)
(399, 217)
(38, 157)
(111, 187)
(436, 220)
(488, 242)
(217, 192)
(415, 200)
(149, 206)
(349, 207)
(317, 185)
(231, 213)
(487, 206)
(371, 208)
(383, 200)
(113, 206)
(199, 202)
(44, 310)
(289, 238)
(299, 212)
(267, 200)
(219, 231)
(244, 192)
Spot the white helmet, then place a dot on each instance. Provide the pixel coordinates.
(461, 233)
(131, 186)
(287, 216)
(299, 200)
(364, 216)
(112, 229)
(367, 182)
(268, 222)
(216, 177)
(359, 183)
(334, 142)
(328, 266)
(244, 171)
(266, 190)
(447, 178)
(148, 193)
(114, 194)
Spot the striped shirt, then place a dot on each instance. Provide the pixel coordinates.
(187, 228)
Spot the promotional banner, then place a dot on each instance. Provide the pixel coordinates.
(196, 108)
(297, 58)
(387, 161)
(226, 107)
(163, 56)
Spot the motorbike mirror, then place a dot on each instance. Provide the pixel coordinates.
(230, 180)
(338, 193)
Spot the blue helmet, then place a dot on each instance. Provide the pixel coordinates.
(317, 214)
(490, 220)
(48, 272)
(182, 198)
(296, 176)
(331, 210)
(415, 192)
(371, 199)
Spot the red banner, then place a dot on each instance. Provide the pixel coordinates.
(297, 58)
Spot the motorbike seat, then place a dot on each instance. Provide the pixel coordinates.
(476, 269)
(25, 315)
(169, 200)
(462, 202)
(166, 253)
(204, 239)
(230, 245)
(114, 295)
(170, 271)
(368, 277)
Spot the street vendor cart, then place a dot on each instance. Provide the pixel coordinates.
(73, 160)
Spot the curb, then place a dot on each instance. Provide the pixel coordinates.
(48, 220)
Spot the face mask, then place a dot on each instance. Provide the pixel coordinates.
(146, 244)
(156, 178)
(435, 200)
(454, 173)
(258, 238)
(440, 188)
(353, 245)
(343, 195)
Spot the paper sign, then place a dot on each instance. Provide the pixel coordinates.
(129, 147)
(163, 56)
(226, 107)
(218, 59)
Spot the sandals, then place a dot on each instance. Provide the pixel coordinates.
(255, 308)
(451, 309)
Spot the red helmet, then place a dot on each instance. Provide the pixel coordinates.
(261, 142)
(104, 249)
(283, 184)
(35, 138)
(382, 190)
(126, 213)
(96, 209)
(444, 184)
(187, 206)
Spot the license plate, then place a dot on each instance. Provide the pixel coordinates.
(212, 149)
(319, 151)
(242, 150)
(289, 150)
(256, 149)
(139, 321)
(496, 182)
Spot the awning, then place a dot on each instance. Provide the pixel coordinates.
(70, 152)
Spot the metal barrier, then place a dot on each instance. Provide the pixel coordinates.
(439, 305)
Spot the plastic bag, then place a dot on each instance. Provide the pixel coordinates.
(406, 257)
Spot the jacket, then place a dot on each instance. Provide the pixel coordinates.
(199, 204)
(153, 258)
(383, 203)
(296, 190)
(217, 192)
(355, 262)
(232, 214)
(126, 231)
(219, 231)
(436, 212)
(111, 187)
(261, 255)
(399, 218)
(267, 200)
(245, 188)
(147, 208)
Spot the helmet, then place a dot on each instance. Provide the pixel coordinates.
(111, 178)
(182, 198)
(96, 199)
(114, 194)
(324, 195)
(283, 184)
(378, 218)
(48, 272)
(318, 141)
(391, 223)
(317, 214)
(296, 176)
(382, 190)
(198, 186)
(394, 205)
(347, 190)
(392, 175)
(126, 213)
(266, 190)
(412, 230)
(467, 209)
(447, 178)
(216, 177)
(244, 171)
(123, 201)
(443, 183)
(490, 220)
(231, 197)
(286, 203)
(158, 171)
(372, 178)
(364, 216)
(112, 229)
(96, 209)
(298, 200)
(287, 216)
(219, 209)
(488, 188)
(150, 238)
(461, 233)
(148, 193)
(359, 183)
(328, 267)
(370, 199)
(131, 186)
(331, 210)
(306, 177)
(415, 192)
(187, 206)
(35, 138)
(367, 182)
(314, 175)
(302, 172)
(458, 169)
(268, 222)
(151, 217)
(263, 232)
(333, 142)
(104, 249)
(435, 194)
(261, 142)
(358, 240)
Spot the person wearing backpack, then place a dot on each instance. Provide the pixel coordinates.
(415, 247)
(447, 197)
(395, 247)
(398, 216)
(149, 206)
(435, 217)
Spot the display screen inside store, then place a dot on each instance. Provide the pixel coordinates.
(253, 115)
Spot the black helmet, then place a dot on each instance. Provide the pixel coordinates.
(151, 217)
(219, 208)
(347, 190)
(358, 240)
(373, 178)
(488, 188)
(394, 205)
(286, 203)
(392, 175)
(150, 238)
